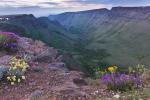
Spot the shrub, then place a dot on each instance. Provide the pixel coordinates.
(17, 70)
(8, 41)
(119, 81)
(110, 69)
(139, 69)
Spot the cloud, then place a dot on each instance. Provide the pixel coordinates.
(71, 3)
(43, 7)
(49, 3)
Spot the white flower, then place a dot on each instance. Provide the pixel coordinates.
(96, 91)
(116, 96)
(140, 99)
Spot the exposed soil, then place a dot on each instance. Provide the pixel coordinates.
(49, 84)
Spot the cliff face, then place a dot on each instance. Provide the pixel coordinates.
(122, 31)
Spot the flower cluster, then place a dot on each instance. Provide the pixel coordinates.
(8, 40)
(121, 82)
(110, 69)
(17, 70)
(137, 69)
(14, 79)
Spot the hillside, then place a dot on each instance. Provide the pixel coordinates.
(123, 32)
(47, 76)
(88, 55)
(50, 32)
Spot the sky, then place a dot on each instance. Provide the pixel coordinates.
(46, 7)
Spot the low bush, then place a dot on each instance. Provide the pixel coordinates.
(17, 70)
(121, 82)
(100, 72)
(118, 81)
(137, 69)
(8, 41)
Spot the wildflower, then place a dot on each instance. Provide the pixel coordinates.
(24, 69)
(19, 65)
(12, 83)
(14, 68)
(13, 62)
(112, 68)
(116, 96)
(23, 77)
(14, 78)
(19, 80)
(122, 82)
(8, 78)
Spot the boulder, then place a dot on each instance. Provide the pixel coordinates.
(36, 94)
(58, 66)
(37, 50)
(48, 55)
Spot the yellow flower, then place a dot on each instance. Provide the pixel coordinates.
(112, 69)
(19, 80)
(12, 83)
(24, 69)
(14, 68)
(14, 78)
(23, 77)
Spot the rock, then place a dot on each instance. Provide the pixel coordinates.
(3, 71)
(53, 98)
(24, 44)
(48, 54)
(79, 82)
(4, 60)
(77, 75)
(59, 58)
(73, 94)
(36, 94)
(58, 66)
(38, 51)
(32, 83)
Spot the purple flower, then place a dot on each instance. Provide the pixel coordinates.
(8, 40)
(118, 81)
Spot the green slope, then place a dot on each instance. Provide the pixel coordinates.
(123, 32)
(50, 32)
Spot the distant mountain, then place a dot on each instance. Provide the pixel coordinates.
(42, 28)
(123, 32)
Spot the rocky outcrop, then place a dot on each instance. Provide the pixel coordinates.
(37, 50)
